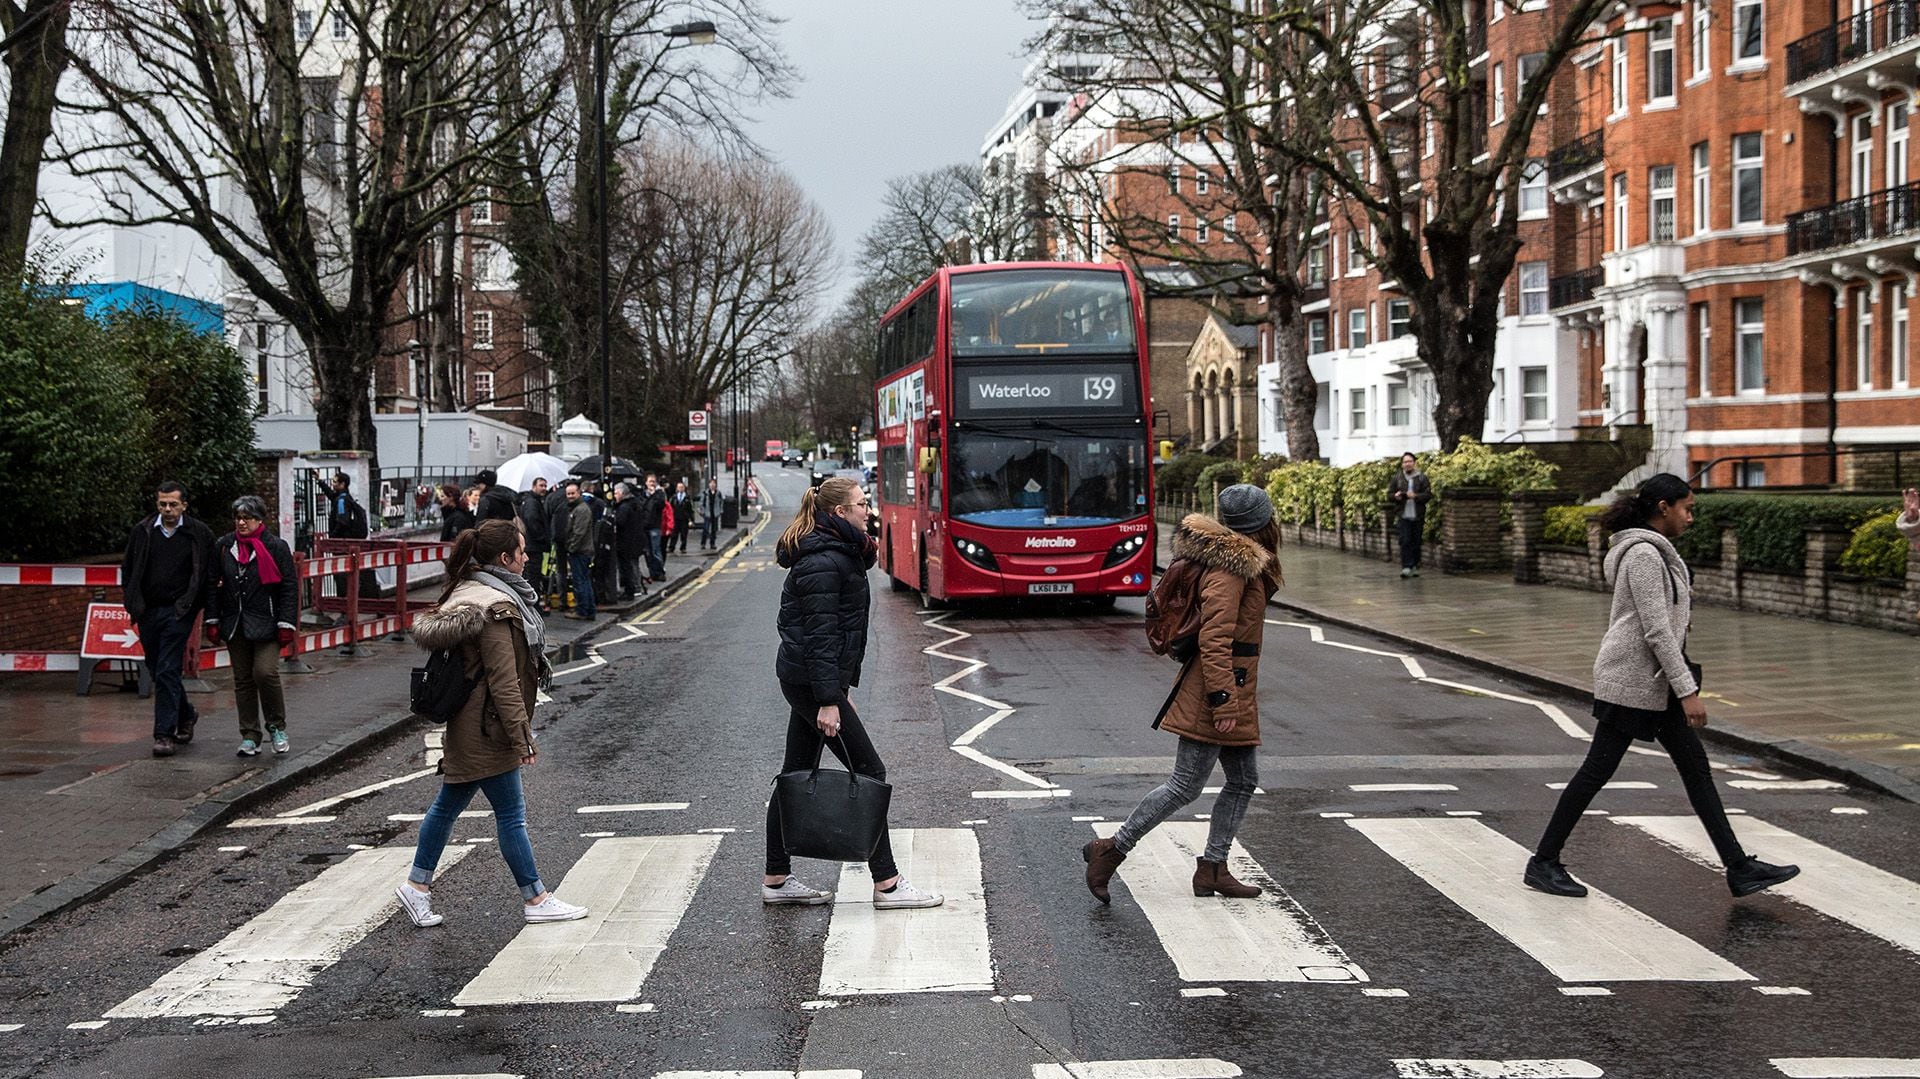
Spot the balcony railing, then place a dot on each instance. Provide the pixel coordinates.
(1575, 287)
(1894, 211)
(1879, 27)
(1576, 157)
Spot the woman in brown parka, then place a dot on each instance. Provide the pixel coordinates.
(491, 615)
(1215, 706)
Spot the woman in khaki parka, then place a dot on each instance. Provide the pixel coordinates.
(1215, 707)
(491, 614)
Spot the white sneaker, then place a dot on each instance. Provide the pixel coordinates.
(905, 896)
(792, 893)
(551, 909)
(418, 905)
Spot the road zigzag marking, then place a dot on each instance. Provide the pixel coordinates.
(969, 665)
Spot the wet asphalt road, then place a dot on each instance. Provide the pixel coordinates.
(690, 713)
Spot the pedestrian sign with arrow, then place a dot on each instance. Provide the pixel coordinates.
(110, 633)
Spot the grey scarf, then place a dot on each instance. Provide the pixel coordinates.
(516, 588)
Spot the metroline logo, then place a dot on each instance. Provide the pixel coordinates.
(1050, 541)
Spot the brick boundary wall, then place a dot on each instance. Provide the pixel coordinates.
(48, 618)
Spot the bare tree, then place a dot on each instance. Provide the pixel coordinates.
(944, 217)
(313, 152)
(1198, 103)
(1394, 67)
(33, 42)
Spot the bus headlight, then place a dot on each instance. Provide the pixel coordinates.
(975, 553)
(1124, 550)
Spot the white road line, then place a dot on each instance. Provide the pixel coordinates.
(935, 950)
(1598, 939)
(1616, 785)
(1585, 991)
(636, 889)
(261, 966)
(829, 1073)
(483, 1075)
(1196, 1068)
(87, 1024)
(634, 807)
(1848, 811)
(1269, 939)
(275, 822)
(1787, 785)
(1841, 887)
(963, 745)
(1002, 767)
(1203, 991)
(9, 1028)
(405, 818)
(1383, 992)
(1846, 1067)
(1389, 788)
(1053, 792)
(325, 804)
(1496, 1069)
(1782, 991)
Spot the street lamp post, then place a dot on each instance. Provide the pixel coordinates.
(695, 33)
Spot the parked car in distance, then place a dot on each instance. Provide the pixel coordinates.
(793, 457)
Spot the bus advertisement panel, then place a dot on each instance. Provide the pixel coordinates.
(1012, 424)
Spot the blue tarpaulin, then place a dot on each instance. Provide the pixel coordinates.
(121, 295)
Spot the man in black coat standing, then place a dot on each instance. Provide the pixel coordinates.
(537, 526)
(496, 502)
(682, 504)
(630, 538)
(653, 509)
(347, 519)
(164, 579)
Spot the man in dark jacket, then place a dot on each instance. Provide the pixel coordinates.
(710, 507)
(347, 519)
(1410, 492)
(630, 539)
(496, 502)
(579, 533)
(535, 525)
(653, 508)
(164, 578)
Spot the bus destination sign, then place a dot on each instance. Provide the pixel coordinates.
(1103, 388)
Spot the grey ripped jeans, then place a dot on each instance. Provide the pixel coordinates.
(1192, 764)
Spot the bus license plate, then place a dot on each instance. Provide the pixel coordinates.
(1050, 588)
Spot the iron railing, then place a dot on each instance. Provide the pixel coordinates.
(1573, 158)
(1573, 288)
(1891, 211)
(1904, 459)
(1879, 27)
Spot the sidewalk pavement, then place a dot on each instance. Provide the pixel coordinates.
(84, 804)
(1839, 700)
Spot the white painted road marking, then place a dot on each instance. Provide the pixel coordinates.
(933, 950)
(831, 1073)
(1616, 785)
(1395, 788)
(325, 804)
(1197, 1068)
(636, 890)
(1598, 939)
(1786, 785)
(634, 807)
(1847, 1067)
(1496, 1069)
(1843, 888)
(275, 822)
(261, 966)
(1269, 939)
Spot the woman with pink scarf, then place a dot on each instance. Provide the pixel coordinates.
(252, 608)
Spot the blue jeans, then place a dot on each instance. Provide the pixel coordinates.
(709, 532)
(509, 819)
(656, 561)
(1192, 764)
(582, 566)
(163, 637)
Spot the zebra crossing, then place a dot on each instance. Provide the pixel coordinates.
(1402, 1068)
(641, 888)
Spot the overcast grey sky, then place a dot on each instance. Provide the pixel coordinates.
(887, 87)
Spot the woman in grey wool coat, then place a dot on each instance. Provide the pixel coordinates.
(1645, 687)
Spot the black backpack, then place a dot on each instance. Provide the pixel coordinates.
(1173, 611)
(441, 688)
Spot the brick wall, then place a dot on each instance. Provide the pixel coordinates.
(49, 619)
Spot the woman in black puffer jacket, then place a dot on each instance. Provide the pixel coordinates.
(823, 638)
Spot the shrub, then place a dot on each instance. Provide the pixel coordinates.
(1771, 528)
(1567, 525)
(1180, 474)
(1222, 474)
(1878, 549)
(1474, 464)
(1302, 489)
(1363, 492)
(1260, 469)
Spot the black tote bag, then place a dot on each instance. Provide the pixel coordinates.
(838, 816)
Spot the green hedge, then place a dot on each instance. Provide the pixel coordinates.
(1771, 528)
(1567, 525)
(1301, 489)
(1181, 474)
(1878, 549)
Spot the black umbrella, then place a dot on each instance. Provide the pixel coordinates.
(589, 467)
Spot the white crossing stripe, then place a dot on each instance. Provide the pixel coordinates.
(1597, 939)
(634, 807)
(1840, 887)
(1197, 1068)
(462, 1075)
(1847, 1067)
(261, 966)
(932, 950)
(1495, 1069)
(1392, 788)
(1787, 785)
(1269, 939)
(830, 1073)
(636, 890)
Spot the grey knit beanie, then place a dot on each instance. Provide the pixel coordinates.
(1245, 508)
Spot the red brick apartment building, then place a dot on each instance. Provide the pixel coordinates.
(1736, 240)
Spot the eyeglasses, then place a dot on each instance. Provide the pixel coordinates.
(245, 517)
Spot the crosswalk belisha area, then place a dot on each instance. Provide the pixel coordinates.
(640, 890)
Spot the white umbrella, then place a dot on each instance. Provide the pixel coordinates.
(519, 473)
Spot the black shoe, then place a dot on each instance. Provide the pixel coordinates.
(183, 728)
(1750, 874)
(1552, 878)
(163, 746)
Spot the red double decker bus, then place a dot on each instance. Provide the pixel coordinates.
(1011, 411)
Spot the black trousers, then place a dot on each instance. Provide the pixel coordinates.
(1409, 544)
(629, 574)
(854, 750)
(1610, 743)
(163, 638)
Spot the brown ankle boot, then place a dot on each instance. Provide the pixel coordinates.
(1102, 859)
(1212, 877)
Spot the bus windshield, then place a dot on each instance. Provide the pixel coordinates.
(1039, 475)
(1040, 312)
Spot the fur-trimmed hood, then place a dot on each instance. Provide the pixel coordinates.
(461, 618)
(1214, 545)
